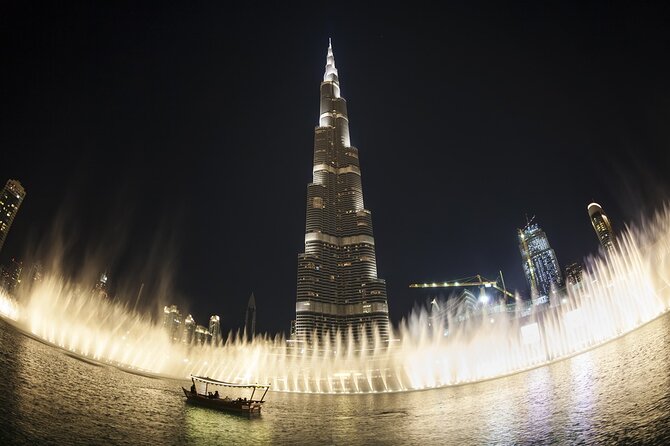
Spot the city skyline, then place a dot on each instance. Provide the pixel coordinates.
(124, 153)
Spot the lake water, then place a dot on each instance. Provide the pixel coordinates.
(618, 393)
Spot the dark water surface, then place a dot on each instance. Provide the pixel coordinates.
(618, 393)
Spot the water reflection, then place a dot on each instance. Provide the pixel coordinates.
(582, 401)
(206, 426)
(55, 395)
(617, 393)
(9, 366)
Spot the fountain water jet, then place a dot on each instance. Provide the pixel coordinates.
(619, 292)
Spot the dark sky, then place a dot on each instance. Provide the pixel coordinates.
(171, 143)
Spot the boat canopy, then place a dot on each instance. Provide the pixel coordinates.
(215, 382)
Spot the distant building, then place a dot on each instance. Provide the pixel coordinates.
(539, 261)
(172, 321)
(35, 273)
(202, 335)
(100, 287)
(460, 307)
(10, 277)
(292, 333)
(11, 197)
(189, 329)
(573, 273)
(602, 226)
(250, 318)
(215, 328)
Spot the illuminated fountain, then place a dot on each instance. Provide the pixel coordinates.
(618, 293)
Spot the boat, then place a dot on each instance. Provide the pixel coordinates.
(201, 395)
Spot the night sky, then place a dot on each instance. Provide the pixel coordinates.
(171, 143)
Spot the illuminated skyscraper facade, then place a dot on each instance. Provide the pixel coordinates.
(100, 288)
(573, 273)
(189, 330)
(539, 261)
(338, 287)
(202, 335)
(215, 328)
(10, 275)
(35, 273)
(602, 226)
(11, 197)
(172, 321)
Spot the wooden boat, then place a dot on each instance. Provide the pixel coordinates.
(201, 395)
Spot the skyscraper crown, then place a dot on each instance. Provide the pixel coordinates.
(331, 71)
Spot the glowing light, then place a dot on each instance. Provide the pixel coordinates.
(8, 308)
(618, 293)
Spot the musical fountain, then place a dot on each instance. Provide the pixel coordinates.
(621, 290)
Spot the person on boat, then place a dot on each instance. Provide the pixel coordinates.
(193, 391)
(226, 398)
(216, 394)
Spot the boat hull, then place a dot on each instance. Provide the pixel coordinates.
(235, 406)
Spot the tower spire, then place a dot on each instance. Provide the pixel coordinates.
(331, 71)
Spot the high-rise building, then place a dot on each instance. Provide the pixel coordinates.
(215, 328)
(338, 287)
(539, 261)
(35, 273)
(11, 197)
(189, 329)
(10, 277)
(100, 287)
(250, 318)
(172, 321)
(202, 335)
(573, 273)
(602, 226)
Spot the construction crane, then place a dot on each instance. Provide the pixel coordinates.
(474, 281)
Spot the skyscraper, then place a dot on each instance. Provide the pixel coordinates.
(100, 287)
(35, 273)
(338, 287)
(172, 321)
(602, 226)
(10, 275)
(11, 197)
(202, 335)
(250, 318)
(215, 328)
(573, 273)
(539, 261)
(189, 330)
